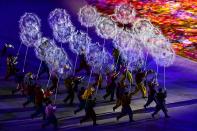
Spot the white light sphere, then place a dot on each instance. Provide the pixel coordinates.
(125, 13)
(88, 16)
(106, 28)
(41, 47)
(60, 23)
(94, 57)
(29, 25)
(79, 42)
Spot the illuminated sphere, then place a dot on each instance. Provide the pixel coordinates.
(61, 25)
(143, 29)
(125, 13)
(134, 58)
(88, 16)
(142, 25)
(79, 42)
(29, 25)
(94, 57)
(107, 62)
(163, 53)
(57, 59)
(123, 40)
(153, 42)
(106, 28)
(58, 17)
(30, 22)
(165, 57)
(42, 45)
(29, 39)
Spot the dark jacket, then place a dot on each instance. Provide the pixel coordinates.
(152, 90)
(160, 97)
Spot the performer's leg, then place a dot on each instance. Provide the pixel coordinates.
(165, 111)
(137, 88)
(130, 113)
(157, 109)
(85, 117)
(39, 109)
(67, 97)
(122, 113)
(112, 94)
(72, 95)
(118, 103)
(81, 107)
(143, 90)
(149, 101)
(93, 116)
(107, 93)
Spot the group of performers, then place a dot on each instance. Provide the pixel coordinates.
(121, 82)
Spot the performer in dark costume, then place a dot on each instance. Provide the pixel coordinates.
(81, 100)
(126, 109)
(111, 85)
(19, 78)
(54, 80)
(69, 84)
(11, 66)
(89, 110)
(76, 82)
(161, 103)
(39, 100)
(119, 93)
(151, 92)
(29, 84)
(5, 49)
